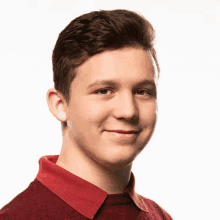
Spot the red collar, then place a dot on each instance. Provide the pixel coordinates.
(80, 194)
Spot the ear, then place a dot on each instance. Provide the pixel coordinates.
(56, 104)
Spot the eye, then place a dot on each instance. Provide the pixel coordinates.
(100, 91)
(147, 92)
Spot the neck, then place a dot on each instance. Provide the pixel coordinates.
(112, 180)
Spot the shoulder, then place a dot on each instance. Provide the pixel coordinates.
(153, 207)
(36, 197)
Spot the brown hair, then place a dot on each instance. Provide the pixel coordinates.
(93, 33)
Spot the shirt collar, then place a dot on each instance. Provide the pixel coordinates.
(80, 194)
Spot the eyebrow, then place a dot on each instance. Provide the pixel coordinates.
(114, 83)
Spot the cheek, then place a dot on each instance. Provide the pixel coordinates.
(148, 115)
(91, 111)
(95, 109)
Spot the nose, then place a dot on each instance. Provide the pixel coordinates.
(125, 106)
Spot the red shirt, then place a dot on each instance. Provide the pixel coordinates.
(58, 194)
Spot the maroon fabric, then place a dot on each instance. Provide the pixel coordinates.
(58, 194)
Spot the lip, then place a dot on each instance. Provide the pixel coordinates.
(124, 132)
(123, 136)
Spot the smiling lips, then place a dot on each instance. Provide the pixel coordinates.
(124, 132)
(121, 136)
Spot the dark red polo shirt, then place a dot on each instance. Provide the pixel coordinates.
(58, 194)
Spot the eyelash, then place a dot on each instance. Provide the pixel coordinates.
(97, 91)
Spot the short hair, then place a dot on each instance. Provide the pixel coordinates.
(94, 33)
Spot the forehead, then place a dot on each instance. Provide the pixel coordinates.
(126, 65)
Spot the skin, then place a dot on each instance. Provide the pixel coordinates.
(88, 151)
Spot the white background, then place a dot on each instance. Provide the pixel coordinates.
(179, 168)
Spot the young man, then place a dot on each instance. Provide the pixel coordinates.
(105, 97)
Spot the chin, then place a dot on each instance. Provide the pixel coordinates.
(117, 163)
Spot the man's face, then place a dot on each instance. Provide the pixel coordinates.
(125, 105)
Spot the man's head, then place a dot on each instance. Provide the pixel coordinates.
(109, 56)
(94, 33)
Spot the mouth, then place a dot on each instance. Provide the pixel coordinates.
(124, 132)
(123, 136)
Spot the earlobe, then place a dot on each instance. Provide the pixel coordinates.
(62, 115)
